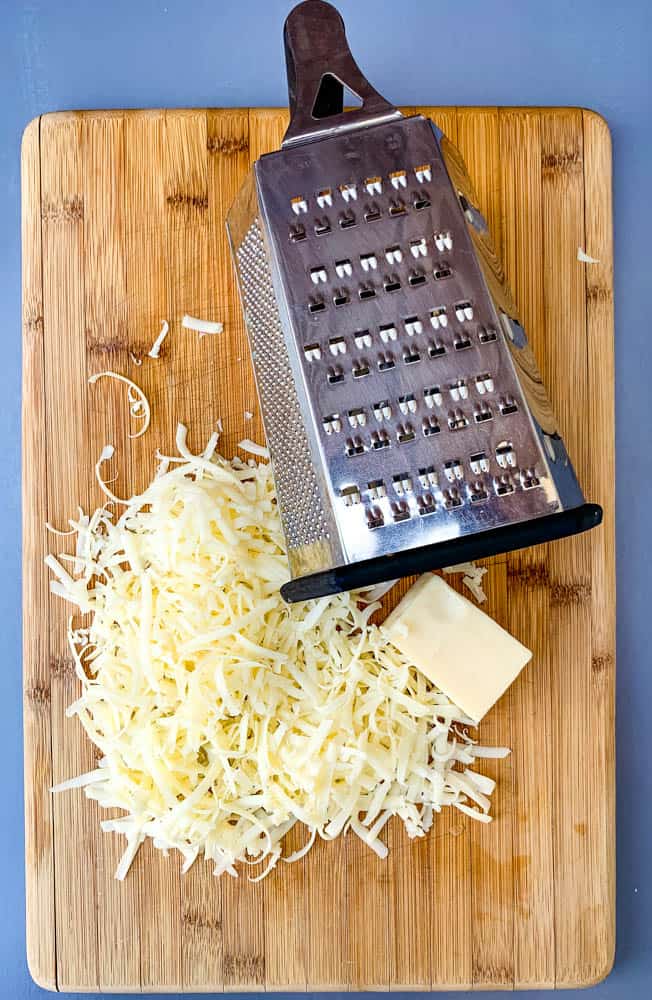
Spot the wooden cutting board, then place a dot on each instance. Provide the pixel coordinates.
(123, 226)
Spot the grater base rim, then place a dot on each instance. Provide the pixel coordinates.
(508, 538)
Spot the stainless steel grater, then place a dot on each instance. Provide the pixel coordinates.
(405, 415)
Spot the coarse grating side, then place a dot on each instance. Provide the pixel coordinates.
(304, 521)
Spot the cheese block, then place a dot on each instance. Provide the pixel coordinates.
(456, 645)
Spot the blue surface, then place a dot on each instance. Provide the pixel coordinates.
(138, 53)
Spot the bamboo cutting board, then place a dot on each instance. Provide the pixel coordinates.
(123, 226)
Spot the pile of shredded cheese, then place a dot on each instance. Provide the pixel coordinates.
(224, 716)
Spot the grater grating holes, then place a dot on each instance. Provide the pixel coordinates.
(457, 420)
(392, 283)
(504, 485)
(379, 440)
(405, 433)
(376, 489)
(411, 356)
(478, 492)
(372, 213)
(420, 201)
(529, 479)
(400, 510)
(426, 505)
(436, 349)
(482, 413)
(505, 455)
(416, 278)
(375, 518)
(508, 406)
(452, 498)
(322, 226)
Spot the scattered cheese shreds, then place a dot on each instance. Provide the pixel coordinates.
(223, 715)
(254, 449)
(248, 415)
(584, 258)
(56, 531)
(155, 350)
(301, 853)
(106, 454)
(378, 591)
(204, 327)
(467, 567)
(472, 578)
(491, 752)
(138, 401)
(90, 778)
(136, 361)
(475, 586)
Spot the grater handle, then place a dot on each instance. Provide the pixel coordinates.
(319, 66)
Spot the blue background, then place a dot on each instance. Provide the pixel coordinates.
(138, 53)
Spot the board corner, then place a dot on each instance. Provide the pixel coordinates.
(44, 978)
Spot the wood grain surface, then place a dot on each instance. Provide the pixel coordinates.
(123, 226)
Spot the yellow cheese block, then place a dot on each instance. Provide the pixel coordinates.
(456, 645)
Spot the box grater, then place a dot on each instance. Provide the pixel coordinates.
(405, 415)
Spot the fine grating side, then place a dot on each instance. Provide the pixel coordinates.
(304, 520)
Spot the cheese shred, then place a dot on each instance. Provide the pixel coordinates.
(472, 578)
(138, 402)
(155, 349)
(222, 715)
(204, 327)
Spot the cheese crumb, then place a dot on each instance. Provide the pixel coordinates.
(584, 258)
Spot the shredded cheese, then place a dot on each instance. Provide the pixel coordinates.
(106, 455)
(204, 327)
(584, 258)
(224, 716)
(472, 578)
(379, 590)
(155, 350)
(56, 531)
(254, 449)
(138, 401)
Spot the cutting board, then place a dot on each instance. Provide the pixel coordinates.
(123, 226)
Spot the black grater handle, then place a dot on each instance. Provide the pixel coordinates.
(463, 548)
(319, 66)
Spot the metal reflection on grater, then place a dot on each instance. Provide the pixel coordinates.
(378, 332)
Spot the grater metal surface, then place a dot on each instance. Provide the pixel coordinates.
(406, 418)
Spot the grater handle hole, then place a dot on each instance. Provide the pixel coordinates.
(320, 68)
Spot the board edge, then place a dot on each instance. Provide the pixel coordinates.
(40, 953)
